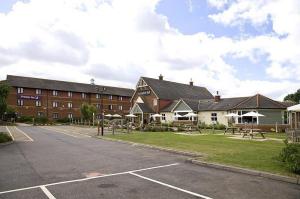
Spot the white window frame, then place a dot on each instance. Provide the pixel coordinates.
(70, 115)
(40, 114)
(70, 94)
(38, 103)
(38, 91)
(55, 93)
(83, 95)
(55, 115)
(54, 104)
(110, 107)
(214, 117)
(120, 107)
(70, 105)
(110, 97)
(120, 98)
(98, 96)
(20, 102)
(20, 90)
(163, 116)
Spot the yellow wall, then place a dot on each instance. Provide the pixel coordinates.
(205, 116)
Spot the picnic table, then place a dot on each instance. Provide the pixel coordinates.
(232, 129)
(252, 132)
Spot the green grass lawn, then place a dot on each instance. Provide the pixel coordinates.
(218, 148)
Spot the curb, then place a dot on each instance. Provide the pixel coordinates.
(246, 171)
(185, 153)
(6, 143)
(213, 165)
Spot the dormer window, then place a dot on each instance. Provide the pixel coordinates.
(55, 93)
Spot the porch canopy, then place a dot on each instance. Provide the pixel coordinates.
(295, 108)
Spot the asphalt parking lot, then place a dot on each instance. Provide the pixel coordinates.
(67, 162)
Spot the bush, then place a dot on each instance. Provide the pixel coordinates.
(4, 138)
(63, 120)
(290, 155)
(41, 120)
(25, 119)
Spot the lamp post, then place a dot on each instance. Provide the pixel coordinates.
(100, 91)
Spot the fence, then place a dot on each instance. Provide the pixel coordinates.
(293, 135)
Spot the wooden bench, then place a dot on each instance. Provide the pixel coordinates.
(253, 132)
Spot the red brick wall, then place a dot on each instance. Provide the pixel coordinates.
(29, 108)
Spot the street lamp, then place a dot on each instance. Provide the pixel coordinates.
(100, 91)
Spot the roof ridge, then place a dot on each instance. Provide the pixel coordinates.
(173, 82)
(66, 81)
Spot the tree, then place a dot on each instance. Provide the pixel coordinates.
(295, 97)
(4, 91)
(87, 111)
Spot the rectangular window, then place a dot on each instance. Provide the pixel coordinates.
(97, 96)
(55, 104)
(70, 105)
(55, 93)
(110, 97)
(38, 103)
(163, 117)
(120, 107)
(98, 106)
(110, 107)
(55, 115)
(20, 102)
(154, 102)
(70, 94)
(83, 95)
(214, 117)
(70, 115)
(120, 98)
(40, 114)
(38, 91)
(20, 90)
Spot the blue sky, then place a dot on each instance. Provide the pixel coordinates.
(239, 48)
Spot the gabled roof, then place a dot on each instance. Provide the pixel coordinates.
(260, 102)
(174, 91)
(170, 107)
(141, 107)
(222, 105)
(29, 82)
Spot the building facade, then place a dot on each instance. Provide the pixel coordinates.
(59, 99)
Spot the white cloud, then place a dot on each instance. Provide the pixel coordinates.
(116, 41)
(219, 4)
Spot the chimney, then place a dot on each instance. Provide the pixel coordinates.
(161, 77)
(217, 97)
(191, 82)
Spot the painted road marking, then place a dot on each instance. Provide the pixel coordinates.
(47, 192)
(10, 133)
(66, 131)
(24, 134)
(49, 129)
(171, 186)
(89, 178)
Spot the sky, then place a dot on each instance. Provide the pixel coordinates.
(236, 47)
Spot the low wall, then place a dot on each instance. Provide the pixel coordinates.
(265, 127)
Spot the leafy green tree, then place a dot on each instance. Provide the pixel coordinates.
(87, 111)
(295, 97)
(4, 91)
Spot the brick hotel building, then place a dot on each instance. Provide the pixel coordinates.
(59, 99)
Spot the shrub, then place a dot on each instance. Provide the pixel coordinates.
(290, 155)
(4, 137)
(25, 119)
(41, 120)
(63, 120)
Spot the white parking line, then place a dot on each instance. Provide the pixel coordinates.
(24, 134)
(49, 129)
(89, 178)
(47, 192)
(10, 133)
(66, 131)
(171, 186)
